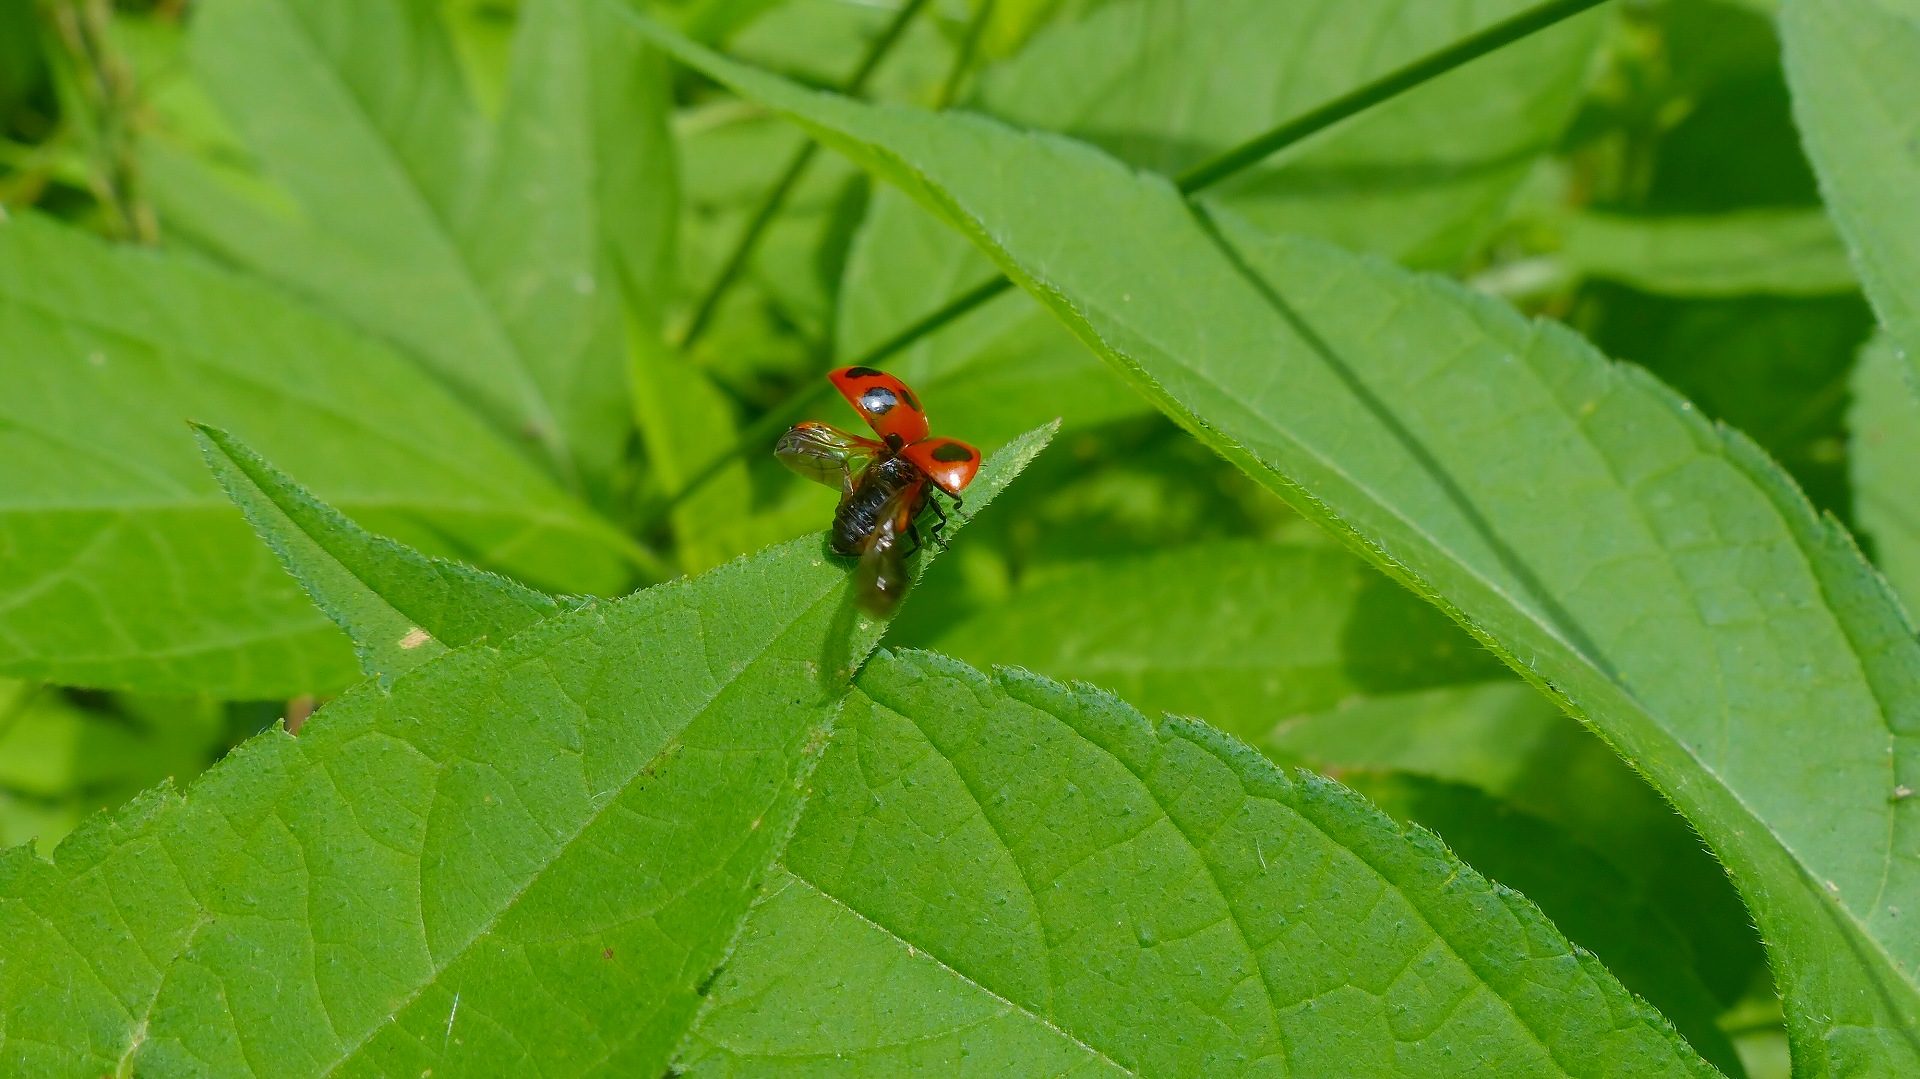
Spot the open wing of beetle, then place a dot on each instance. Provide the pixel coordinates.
(826, 454)
(881, 579)
(885, 402)
(950, 463)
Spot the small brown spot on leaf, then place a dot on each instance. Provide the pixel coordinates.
(415, 638)
(606, 953)
(298, 709)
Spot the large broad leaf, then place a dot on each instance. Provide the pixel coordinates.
(1007, 876)
(526, 855)
(1306, 652)
(1164, 83)
(1885, 422)
(500, 255)
(1854, 66)
(121, 562)
(1658, 574)
(1161, 83)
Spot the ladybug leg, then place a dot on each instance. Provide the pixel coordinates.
(940, 523)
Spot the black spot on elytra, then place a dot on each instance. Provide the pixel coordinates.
(878, 400)
(951, 452)
(862, 372)
(912, 402)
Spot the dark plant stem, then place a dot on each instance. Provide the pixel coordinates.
(1198, 178)
(777, 197)
(1499, 35)
(100, 99)
(963, 59)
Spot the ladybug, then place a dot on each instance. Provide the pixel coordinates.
(884, 484)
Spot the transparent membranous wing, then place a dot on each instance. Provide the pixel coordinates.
(826, 454)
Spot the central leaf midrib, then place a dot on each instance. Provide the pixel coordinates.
(1139, 371)
(587, 820)
(934, 958)
(1230, 911)
(454, 253)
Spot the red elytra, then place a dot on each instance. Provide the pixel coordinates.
(893, 411)
(885, 402)
(950, 463)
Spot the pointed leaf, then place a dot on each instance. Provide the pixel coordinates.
(1011, 876)
(1662, 576)
(527, 855)
(401, 607)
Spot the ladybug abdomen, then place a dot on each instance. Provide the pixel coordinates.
(860, 512)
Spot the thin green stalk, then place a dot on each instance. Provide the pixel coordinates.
(1499, 35)
(1201, 176)
(963, 59)
(777, 197)
(98, 98)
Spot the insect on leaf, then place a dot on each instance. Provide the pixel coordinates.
(1665, 579)
(526, 853)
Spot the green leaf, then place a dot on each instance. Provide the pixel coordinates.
(685, 424)
(1775, 367)
(121, 562)
(400, 607)
(1163, 84)
(1241, 634)
(498, 256)
(1659, 574)
(1312, 656)
(1010, 876)
(1783, 252)
(989, 376)
(526, 854)
(1885, 422)
(1510, 741)
(1854, 66)
(65, 754)
(1592, 902)
(776, 318)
